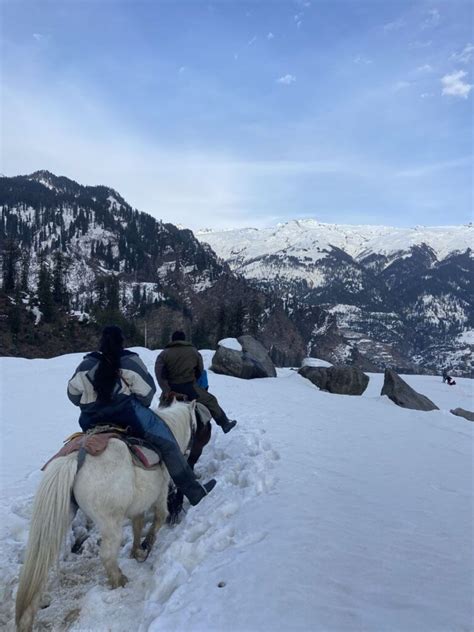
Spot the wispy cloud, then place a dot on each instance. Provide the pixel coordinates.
(270, 36)
(465, 55)
(455, 86)
(425, 68)
(363, 60)
(401, 85)
(395, 25)
(420, 44)
(431, 168)
(432, 20)
(298, 18)
(286, 79)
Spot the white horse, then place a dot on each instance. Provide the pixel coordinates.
(108, 488)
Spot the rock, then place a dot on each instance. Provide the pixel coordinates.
(343, 380)
(252, 362)
(257, 353)
(462, 412)
(403, 395)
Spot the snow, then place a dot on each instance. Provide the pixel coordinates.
(467, 337)
(113, 202)
(230, 343)
(312, 239)
(315, 362)
(36, 313)
(332, 513)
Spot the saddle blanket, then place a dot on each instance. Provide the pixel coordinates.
(94, 444)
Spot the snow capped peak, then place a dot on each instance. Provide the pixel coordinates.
(311, 237)
(44, 177)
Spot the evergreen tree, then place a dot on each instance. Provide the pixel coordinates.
(45, 293)
(60, 293)
(10, 257)
(14, 316)
(25, 271)
(236, 320)
(221, 323)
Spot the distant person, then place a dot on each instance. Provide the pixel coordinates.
(113, 386)
(178, 368)
(447, 378)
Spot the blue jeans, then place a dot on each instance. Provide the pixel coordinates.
(144, 423)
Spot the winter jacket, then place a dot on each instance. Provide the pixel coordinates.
(135, 381)
(179, 363)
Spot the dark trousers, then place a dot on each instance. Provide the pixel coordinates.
(195, 392)
(144, 423)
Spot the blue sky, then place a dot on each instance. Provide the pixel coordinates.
(228, 114)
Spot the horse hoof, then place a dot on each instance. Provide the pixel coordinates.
(120, 582)
(142, 553)
(174, 517)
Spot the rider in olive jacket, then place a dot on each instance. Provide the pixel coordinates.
(178, 367)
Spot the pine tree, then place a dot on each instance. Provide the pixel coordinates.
(45, 294)
(25, 271)
(60, 293)
(14, 317)
(10, 257)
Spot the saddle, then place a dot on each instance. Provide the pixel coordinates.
(96, 440)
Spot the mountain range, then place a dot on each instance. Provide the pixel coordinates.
(393, 296)
(75, 257)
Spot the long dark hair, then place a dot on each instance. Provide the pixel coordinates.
(107, 372)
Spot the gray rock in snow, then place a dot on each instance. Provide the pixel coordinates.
(462, 412)
(404, 395)
(252, 362)
(341, 380)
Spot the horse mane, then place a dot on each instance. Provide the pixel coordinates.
(181, 419)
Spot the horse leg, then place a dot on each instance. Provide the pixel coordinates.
(137, 526)
(159, 518)
(202, 438)
(175, 497)
(109, 549)
(175, 505)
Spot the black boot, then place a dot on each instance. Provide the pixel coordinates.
(227, 425)
(195, 497)
(179, 469)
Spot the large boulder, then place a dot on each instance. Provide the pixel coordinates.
(245, 358)
(343, 380)
(462, 412)
(404, 395)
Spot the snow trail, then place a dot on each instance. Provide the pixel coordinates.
(330, 513)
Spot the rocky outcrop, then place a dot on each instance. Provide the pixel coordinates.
(252, 362)
(404, 395)
(462, 412)
(343, 380)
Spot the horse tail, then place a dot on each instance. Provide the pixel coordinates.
(49, 523)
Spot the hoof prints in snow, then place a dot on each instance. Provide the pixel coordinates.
(78, 597)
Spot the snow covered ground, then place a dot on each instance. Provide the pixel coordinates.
(331, 513)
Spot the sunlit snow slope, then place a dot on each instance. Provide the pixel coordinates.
(331, 513)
